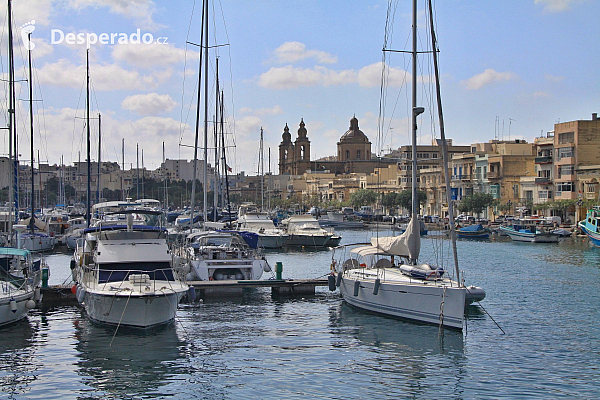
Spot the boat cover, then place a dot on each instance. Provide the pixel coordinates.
(406, 245)
(472, 228)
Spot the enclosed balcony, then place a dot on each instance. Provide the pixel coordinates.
(543, 160)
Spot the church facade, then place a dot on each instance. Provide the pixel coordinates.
(353, 153)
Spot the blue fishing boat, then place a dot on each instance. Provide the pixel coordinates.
(476, 231)
(591, 225)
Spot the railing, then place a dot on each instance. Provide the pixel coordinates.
(544, 159)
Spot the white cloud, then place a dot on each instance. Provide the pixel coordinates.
(276, 110)
(370, 76)
(291, 78)
(31, 10)
(42, 48)
(140, 11)
(149, 104)
(555, 6)
(151, 55)
(291, 52)
(487, 77)
(103, 77)
(248, 126)
(541, 94)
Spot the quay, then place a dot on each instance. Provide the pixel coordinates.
(61, 295)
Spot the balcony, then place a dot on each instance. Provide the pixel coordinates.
(463, 177)
(542, 181)
(493, 175)
(543, 160)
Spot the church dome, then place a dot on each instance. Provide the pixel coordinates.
(354, 134)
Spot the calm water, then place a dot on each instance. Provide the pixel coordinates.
(545, 297)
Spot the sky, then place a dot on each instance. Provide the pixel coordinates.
(509, 69)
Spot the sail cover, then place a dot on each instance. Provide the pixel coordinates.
(406, 245)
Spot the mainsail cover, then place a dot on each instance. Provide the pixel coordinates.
(406, 245)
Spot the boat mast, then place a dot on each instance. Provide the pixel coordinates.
(32, 218)
(12, 186)
(262, 172)
(415, 112)
(225, 167)
(87, 122)
(99, 147)
(444, 144)
(193, 194)
(205, 107)
(216, 169)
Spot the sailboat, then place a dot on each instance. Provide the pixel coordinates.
(123, 270)
(20, 275)
(385, 276)
(38, 237)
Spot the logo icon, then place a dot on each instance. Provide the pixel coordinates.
(26, 29)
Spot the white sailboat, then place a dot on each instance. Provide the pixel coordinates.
(386, 277)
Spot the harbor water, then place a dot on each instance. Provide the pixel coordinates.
(536, 335)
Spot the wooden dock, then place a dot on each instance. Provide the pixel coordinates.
(62, 295)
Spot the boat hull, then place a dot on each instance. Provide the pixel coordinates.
(271, 241)
(308, 240)
(424, 303)
(7, 315)
(594, 237)
(530, 237)
(140, 311)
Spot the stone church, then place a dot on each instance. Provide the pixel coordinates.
(353, 153)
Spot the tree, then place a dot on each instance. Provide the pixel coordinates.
(476, 202)
(363, 197)
(404, 199)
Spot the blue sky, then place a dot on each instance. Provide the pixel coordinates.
(509, 68)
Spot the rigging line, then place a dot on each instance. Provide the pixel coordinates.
(43, 138)
(75, 118)
(230, 73)
(181, 125)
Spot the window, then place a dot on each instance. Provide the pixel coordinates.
(545, 194)
(565, 170)
(347, 154)
(590, 188)
(565, 152)
(567, 137)
(358, 154)
(565, 187)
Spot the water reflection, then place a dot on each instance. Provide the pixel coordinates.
(18, 364)
(131, 363)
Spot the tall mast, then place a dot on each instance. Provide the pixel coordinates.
(166, 196)
(262, 172)
(197, 132)
(137, 160)
(87, 122)
(225, 168)
(444, 144)
(32, 218)
(205, 104)
(122, 169)
(216, 169)
(11, 128)
(99, 147)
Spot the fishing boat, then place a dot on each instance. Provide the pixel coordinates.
(304, 230)
(591, 225)
(386, 276)
(475, 231)
(530, 231)
(253, 220)
(124, 274)
(20, 280)
(224, 255)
